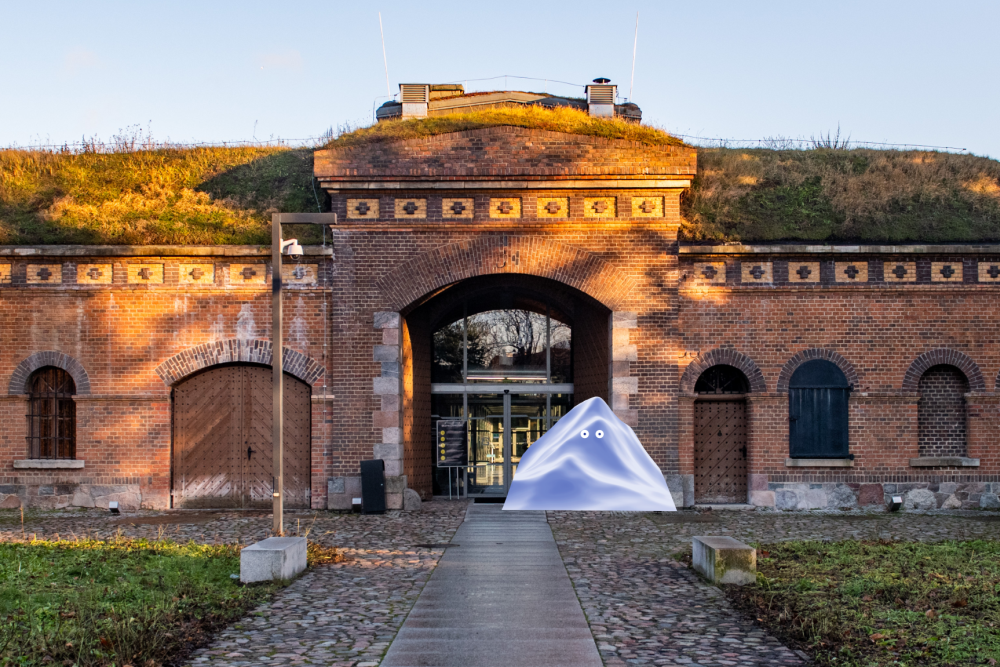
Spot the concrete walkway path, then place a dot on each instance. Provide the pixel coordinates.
(499, 596)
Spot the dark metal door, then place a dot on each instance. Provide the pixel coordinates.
(222, 439)
(817, 411)
(720, 451)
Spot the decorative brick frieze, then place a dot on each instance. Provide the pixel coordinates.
(803, 272)
(946, 272)
(194, 359)
(647, 207)
(943, 356)
(505, 207)
(44, 274)
(552, 207)
(899, 272)
(145, 274)
(850, 272)
(756, 273)
(410, 209)
(709, 273)
(600, 207)
(94, 274)
(22, 374)
(362, 209)
(196, 274)
(458, 208)
(299, 275)
(248, 274)
(989, 272)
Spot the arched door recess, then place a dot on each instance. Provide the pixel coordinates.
(720, 440)
(222, 447)
(817, 411)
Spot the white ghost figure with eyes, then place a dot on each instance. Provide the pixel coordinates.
(589, 460)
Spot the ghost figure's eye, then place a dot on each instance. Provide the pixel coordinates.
(584, 433)
(599, 434)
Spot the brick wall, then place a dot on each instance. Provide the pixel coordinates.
(132, 339)
(941, 412)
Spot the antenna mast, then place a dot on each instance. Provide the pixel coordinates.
(385, 61)
(634, 44)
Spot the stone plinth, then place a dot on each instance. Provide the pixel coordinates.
(273, 558)
(724, 560)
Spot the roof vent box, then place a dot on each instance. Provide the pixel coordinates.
(601, 98)
(414, 97)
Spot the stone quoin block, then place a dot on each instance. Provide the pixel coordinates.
(724, 560)
(273, 559)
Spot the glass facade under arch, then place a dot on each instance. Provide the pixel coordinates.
(509, 373)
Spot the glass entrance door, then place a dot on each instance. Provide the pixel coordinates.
(502, 426)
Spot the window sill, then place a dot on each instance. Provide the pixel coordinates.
(944, 462)
(819, 463)
(47, 464)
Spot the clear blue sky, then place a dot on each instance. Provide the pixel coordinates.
(904, 71)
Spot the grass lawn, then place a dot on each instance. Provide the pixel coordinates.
(120, 602)
(880, 603)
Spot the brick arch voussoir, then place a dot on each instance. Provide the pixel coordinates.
(944, 357)
(816, 353)
(197, 358)
(22, 374)
(727, 357)
(525, 255)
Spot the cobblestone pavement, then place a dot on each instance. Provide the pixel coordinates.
(644, 607)
(340, 615)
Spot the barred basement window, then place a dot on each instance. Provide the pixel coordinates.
(51, 415)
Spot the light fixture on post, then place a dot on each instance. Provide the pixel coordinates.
(292, 249)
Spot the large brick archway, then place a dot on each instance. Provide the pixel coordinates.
(405, 286)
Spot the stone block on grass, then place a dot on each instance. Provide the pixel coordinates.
(273, 558)
(724, 560)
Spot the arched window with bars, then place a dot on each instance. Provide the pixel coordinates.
(51, 415)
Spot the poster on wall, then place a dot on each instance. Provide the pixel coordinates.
(451, 446)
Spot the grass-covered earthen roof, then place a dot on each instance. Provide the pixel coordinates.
(225, 195)
(558, 119)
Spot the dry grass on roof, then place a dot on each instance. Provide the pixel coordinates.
(836, 195)
(211, 195)
(560, 119)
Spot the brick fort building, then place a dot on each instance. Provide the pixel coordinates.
(499, 276)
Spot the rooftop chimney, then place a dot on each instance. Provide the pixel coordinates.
(415, 97)
(601, 98)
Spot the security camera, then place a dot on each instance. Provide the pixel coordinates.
(292, 248)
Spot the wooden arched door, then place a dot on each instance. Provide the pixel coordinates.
(720, 436)
(222, 450)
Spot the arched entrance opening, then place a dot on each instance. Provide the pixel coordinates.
(508, 354)
(222, 446)
(720, 436)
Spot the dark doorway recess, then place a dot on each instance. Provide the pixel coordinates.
(222, 440)
(509, 353)
(817, 411)
(720, 443)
